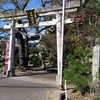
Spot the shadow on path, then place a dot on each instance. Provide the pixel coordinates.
(39, 72)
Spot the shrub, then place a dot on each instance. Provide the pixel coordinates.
(53, 60)
(78, 71)
(35, 60)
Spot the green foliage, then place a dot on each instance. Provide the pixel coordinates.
(34, 51)
(2, 46)
(53, 60)
(34, 57)
(94, 7)
(2, 50)
(49, 42)
(78, 71)
(35, 60)
(89, 18)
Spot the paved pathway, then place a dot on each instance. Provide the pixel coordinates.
(42, 76)
(28, 86)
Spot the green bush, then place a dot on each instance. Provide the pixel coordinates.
(34, 51)
(34, 57)
(53, 60)
(78, 71)
(35, 60)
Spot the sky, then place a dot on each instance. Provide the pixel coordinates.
(34, 4)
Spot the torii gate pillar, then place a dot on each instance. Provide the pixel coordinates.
(10, 71)
(58, 38)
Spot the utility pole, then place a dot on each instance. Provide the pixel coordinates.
(58, 39)
(62, 39)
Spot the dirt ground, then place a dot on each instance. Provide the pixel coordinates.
(55, 95)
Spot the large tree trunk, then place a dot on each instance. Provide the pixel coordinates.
(23, 50)
(26, 58)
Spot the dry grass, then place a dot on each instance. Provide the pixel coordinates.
(55, 94)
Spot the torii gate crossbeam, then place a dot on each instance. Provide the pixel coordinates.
(45, 11)
(46, 23)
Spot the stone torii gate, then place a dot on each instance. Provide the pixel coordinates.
(71, 6)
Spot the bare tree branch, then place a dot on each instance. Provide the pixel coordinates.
(24, 4)
(23, 33)
(15, 2)
(3, 30)
(45, 2)
(34, 37)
